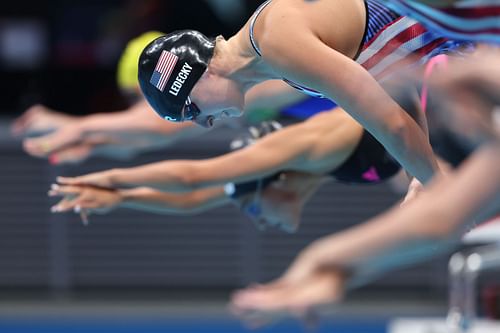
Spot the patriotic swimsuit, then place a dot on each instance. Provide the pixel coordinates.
(473, 20)
(390, 41)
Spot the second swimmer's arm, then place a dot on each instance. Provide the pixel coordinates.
(101, 200)
(284, 149)
(150, 200)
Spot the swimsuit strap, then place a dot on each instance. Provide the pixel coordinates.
(252, 24)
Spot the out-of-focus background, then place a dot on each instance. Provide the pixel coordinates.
(130, 271)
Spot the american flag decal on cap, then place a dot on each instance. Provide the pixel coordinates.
(163, 70)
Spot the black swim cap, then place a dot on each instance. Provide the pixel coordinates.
(169, 67)
(253, 134)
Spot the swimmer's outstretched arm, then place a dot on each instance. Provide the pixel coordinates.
(94, 133)
(317, 66)
(99, 200)
(317, 145)
(427, 226)
(422, 228)
(125, 133)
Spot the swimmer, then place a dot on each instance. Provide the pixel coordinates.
(187, 76)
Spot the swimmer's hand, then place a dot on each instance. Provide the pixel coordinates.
(66, 137)
(103, 179)
(300, 292)
(85, 199)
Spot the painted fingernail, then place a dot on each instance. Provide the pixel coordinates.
(55, 209)
(77, 209)
(54, 187)
(53, 159)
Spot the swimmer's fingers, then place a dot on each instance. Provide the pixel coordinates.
(24, 123)
(74, 154)
(70, 144)
(86, 199)
(21, 124)
(296, 299)
(75, 198)
(72, 180)
(58, 190)
(66, 205)
(89, 146)
(99, 179)
(48, 144)
(254, 318)
(258, 307)
(77, 204)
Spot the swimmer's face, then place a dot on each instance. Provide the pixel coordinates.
(216, 98)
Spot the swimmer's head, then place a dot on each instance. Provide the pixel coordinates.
(254, 133)
(248, 138)
(127, 71)
(248, 195)
(176, 79)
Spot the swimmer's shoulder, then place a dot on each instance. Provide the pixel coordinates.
(286, 22)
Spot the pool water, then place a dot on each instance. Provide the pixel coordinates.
(191, 325)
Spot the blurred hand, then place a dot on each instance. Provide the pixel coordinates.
(304, 287)
(262, 304)
(85, 198)
(71, 144)
(40, 119)
(47, 145)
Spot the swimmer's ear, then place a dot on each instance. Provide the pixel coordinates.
(218, 41)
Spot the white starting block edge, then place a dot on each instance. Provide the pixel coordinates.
(489, 232)
(437, 325)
